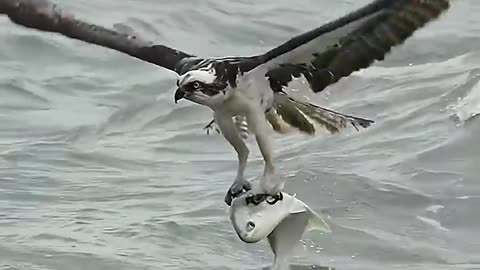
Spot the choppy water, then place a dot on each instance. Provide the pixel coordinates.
(99, 173)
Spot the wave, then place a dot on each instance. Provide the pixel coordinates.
(468, 107)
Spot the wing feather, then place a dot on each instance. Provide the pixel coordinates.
(45, 16)
(335, 50)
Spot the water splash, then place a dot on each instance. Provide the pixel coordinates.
(468, 107)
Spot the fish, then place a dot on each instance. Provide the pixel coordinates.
(282, 219)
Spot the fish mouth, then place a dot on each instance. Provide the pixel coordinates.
(179, 94)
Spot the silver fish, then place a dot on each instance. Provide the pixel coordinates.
(282, 219)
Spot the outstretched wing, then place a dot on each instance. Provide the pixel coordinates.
(45, 16)
(335, 50)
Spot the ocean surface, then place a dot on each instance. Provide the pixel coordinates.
(100, 169)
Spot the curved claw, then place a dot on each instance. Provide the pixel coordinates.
(230, 196)
(271, 199)
(234, 192)
(210, 126)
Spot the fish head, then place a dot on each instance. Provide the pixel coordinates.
(254, 217)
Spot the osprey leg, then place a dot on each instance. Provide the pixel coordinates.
(227, 127)
(258, 125)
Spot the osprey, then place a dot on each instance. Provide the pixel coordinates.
(252, 88)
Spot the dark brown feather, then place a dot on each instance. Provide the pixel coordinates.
(45, 16)
(379, 27)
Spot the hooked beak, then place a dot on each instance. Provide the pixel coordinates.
(179, 94)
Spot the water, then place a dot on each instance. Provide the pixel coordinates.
(101, 170)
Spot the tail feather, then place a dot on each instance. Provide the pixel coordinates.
(289, 114)
(309, 118)
(295, 117)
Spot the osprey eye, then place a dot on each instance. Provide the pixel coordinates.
(196, 85)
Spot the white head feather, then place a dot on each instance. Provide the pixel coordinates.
(205, 75)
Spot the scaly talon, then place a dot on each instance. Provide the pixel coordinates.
(210, 126)
(270, 185)
(238, 187)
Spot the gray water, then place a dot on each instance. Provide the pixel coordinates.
(101, 170)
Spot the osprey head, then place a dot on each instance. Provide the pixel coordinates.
(201, 86)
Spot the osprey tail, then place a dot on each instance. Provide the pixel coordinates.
(308, 118)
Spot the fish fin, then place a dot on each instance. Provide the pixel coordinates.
(297, 206)
(316, 222)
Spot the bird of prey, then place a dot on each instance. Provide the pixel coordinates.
(253, 87)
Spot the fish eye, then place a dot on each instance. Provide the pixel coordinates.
(196, 85)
